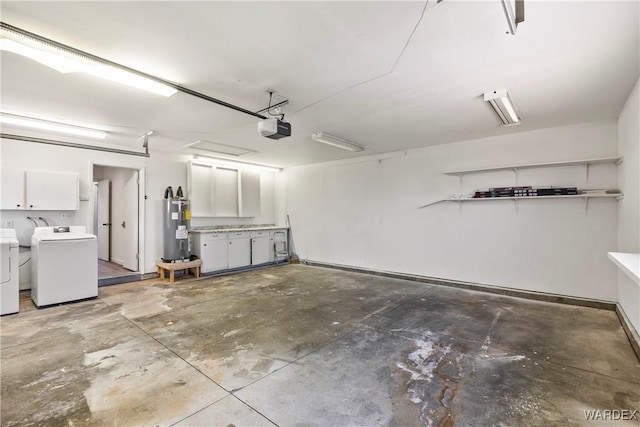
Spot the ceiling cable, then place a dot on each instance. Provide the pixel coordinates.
(424, 9)
(270, 107)
(415, 27)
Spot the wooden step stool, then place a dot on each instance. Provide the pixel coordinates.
(171, 267)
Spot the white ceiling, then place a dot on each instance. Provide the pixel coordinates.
(342, 65)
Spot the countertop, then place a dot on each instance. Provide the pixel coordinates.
(235, 228)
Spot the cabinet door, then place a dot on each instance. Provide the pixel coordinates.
(53, 191)
(214, 255)
(259, 250)
(239, 251)
(249, 193)
(12, 189)
(226, 192)
(200, 189)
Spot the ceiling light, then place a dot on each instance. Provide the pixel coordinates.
(51, 126)
(514, 12)
(235, 164)
(503, 106)
(214, 147)
(66, 61)
(325, 138)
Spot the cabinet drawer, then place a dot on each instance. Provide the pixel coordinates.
(260, 233)
(213, 236)
(239, 235)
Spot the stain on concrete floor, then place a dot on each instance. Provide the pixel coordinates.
(300, 345)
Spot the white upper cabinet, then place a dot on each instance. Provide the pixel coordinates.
(12, 189)
(200, 179)
(250, 193)
(38, 190)
(226, 192)
(222, 191)
(52, 191)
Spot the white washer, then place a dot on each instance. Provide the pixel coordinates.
(64, 265)
(9, 271)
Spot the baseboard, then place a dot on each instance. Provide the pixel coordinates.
(631, 332)
(539, 296)
(117, 261)
(116, 280)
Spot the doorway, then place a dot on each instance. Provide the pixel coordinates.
(116, 223)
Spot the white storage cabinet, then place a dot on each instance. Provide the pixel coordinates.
(249, 193)
(259, 247)
(39, 190)
(211, 248)
(216, 191)
(200, 180)
(12, 189)
(239, 249)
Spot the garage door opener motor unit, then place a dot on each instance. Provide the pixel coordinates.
(274, 128)
(176, 218)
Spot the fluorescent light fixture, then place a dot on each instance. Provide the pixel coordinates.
(325, 138)
(514, 12)
(69, 62)
(235, 164)
(503, 106)
(51, 126)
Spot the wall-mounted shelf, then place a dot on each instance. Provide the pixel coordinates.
(586, 198)
(515, 168)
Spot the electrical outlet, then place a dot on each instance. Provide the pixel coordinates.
(9, 223)
(65, 215)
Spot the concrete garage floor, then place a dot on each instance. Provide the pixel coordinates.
(300, 345)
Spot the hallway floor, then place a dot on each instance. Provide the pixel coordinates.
(111, 269)
(301, 345)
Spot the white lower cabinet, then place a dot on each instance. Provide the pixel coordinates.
(211, 248)
(239, 249)
(236, 249)
(259, 247)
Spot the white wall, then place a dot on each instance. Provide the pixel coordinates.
(629, 211)
(366, 214)
(161, 170)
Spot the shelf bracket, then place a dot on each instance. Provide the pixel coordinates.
(586, 172)
(515, 202)
(586, 205)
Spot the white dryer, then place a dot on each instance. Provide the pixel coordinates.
(64, 265)
(9, 271)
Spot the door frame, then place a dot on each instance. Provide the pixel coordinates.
(96, 217)
(142, 181)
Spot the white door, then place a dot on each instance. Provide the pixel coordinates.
(104, 219)
(130, 222)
